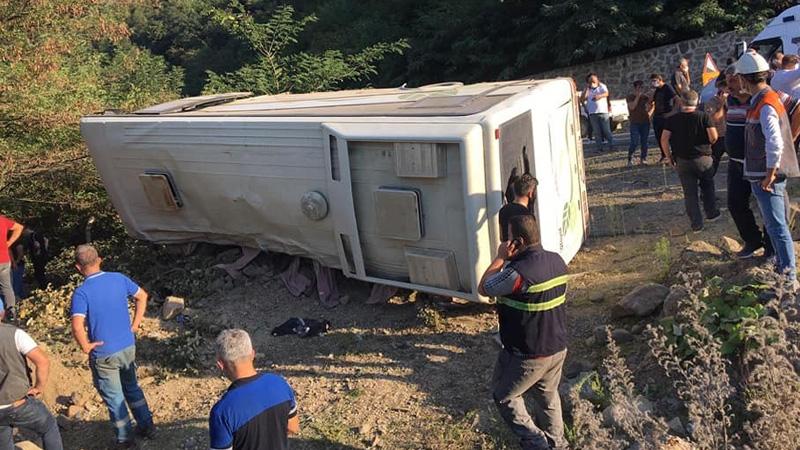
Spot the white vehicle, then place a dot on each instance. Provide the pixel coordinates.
(782, 34)
(619, 115)
(393, 186)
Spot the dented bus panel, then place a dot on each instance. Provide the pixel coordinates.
(393, 186)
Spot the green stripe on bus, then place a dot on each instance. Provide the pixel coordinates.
(534, 307)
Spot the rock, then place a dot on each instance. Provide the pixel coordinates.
(613, 413)
(610, 248)
(590, 341)
(672, 302)
(600, 335)
(577, 367)
(146, 381)
(677, 426)
(254, 271)
(75, 412)
(703, 248)
(78, 399)
(675, 443)
(597, 297)
(641, 302)
(621, 335)
(637, 329)
(729, 245)
(172, 307)
(26, 445)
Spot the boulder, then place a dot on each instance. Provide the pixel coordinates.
(621, 335)
(597, 297)
(672, 302)
(703, 248)
(613, 413)
(729, 245)
(676, 426)
(172, 307)
(26, 445)
(641, 302)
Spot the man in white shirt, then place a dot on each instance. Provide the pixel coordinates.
(596, 97)
(19, 401)
(788, 79)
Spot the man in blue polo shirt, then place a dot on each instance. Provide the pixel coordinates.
(100, 305)
(259, 410)
(530, 285)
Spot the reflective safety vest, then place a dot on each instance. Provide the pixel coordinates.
(755, 158)
(533, 321)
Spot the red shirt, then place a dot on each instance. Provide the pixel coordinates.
(5, 227)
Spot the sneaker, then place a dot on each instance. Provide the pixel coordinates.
(748, 251)
(697, 229)
(148, 433)
(714, 218)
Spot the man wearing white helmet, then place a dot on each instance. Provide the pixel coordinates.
(769, 157)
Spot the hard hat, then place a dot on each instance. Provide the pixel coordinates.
(751, 63)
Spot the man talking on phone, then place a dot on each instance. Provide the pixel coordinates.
(530, 286)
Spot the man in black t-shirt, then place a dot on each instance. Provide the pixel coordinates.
(687, 140)
(663, 102)
(524, 189)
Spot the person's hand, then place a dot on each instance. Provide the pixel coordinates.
(135, 328)
(34, 392)
(768, 181)
(503, 250)
(91, 346)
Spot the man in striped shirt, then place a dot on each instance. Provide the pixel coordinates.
(530, 286)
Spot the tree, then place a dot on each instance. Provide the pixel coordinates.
(277, 69)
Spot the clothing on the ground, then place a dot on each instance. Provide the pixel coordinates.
(531, 294)
(508, 211)
(513, 377)
(697, 177)
(253, 414)
(15, 379)
(739, 191)
(103, 299)
(768, 137)
(773, 210)
(663, 97)
(601, 126)
(785, 80)
(32, 415)
(114, 377)
(597, 105)
(711, 107)
(689, 134)
(640, 133)
(5, 228)
(735, 119)
(302, 327)
(7, 285)
(639, 114)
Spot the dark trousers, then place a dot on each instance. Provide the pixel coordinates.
(658, 129)
(717, 150)
(639, 134)
(32, 415)
(697, 177)
(739, 191)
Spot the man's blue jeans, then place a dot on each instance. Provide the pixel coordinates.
(601, 128)
(773, 210)
(32, 415)
(639, 134)
(114, 377)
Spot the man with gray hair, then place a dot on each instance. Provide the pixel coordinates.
(100, 305)
(258, 411)
(687, 139)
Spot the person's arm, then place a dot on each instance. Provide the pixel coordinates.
(632, 104)
(774, 145)
(713, 135)
(42, 365)
(16, 232)
(293, 426)
(141, 305)
(80, 334)
(665, 135)
(602, 93)
(585, 95)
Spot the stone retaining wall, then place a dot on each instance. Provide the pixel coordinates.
(620, 72)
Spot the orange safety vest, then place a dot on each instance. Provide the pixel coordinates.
(755, 161)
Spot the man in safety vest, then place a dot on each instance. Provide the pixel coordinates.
(531, 292)
(770, 157)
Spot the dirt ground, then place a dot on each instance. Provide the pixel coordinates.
(411, 374)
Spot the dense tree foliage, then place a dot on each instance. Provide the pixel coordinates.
(467, 40)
